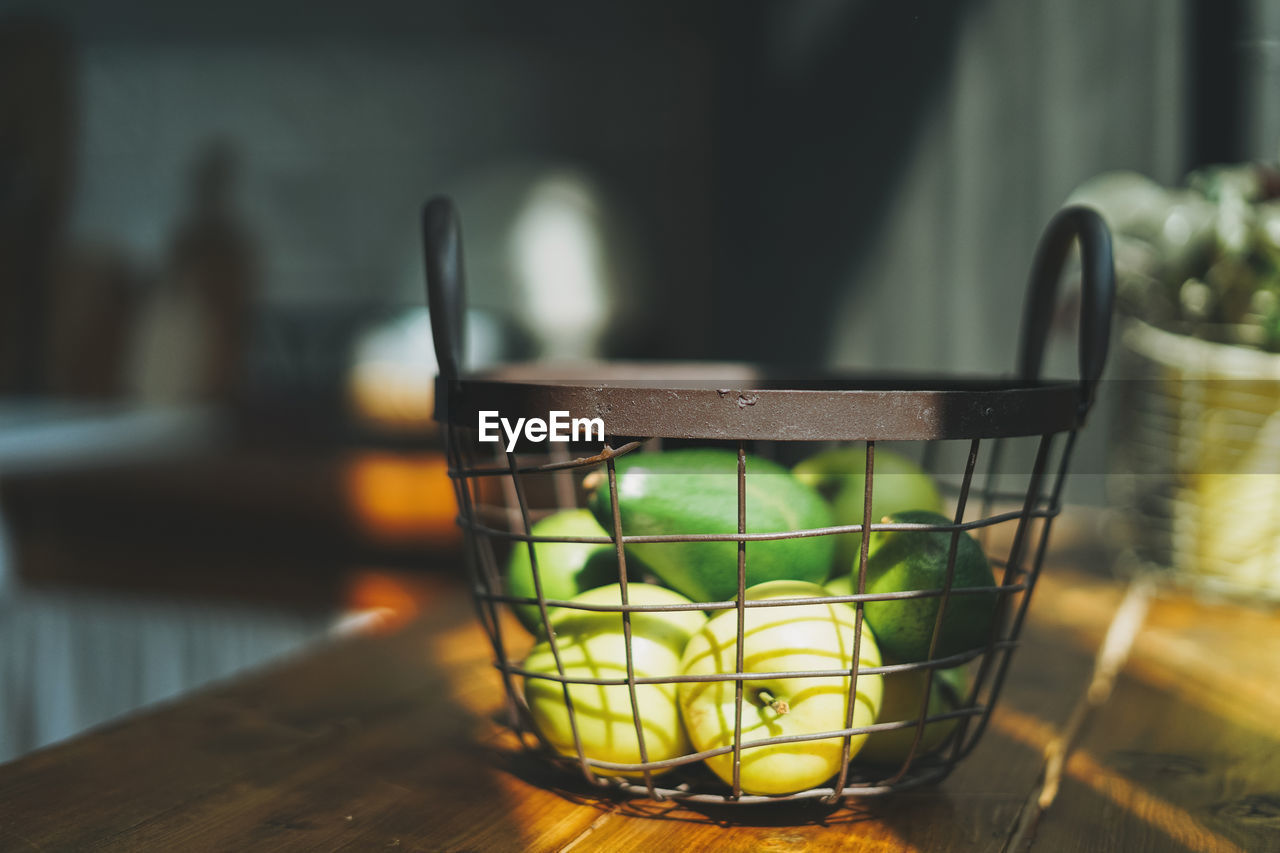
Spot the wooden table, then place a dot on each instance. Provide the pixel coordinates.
(388, 742)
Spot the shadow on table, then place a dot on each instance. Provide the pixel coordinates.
(1160, 768)
(535, 769)
(1172, 772)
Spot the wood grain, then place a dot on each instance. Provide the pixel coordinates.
(1185, 755)
(359, 742)
(389, 742)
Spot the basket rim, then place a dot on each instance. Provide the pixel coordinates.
(745, 402)
(1199, 356)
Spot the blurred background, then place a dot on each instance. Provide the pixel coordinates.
(214, 360)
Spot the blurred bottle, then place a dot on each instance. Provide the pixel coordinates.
(191, 343)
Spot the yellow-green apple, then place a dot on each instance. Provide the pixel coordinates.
(780, 639)
(592, 644)
(903, 697)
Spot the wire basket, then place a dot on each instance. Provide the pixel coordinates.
(1201, 457)
(999, 448)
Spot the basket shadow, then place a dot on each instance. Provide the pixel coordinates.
(1179, 768)
(535, 769)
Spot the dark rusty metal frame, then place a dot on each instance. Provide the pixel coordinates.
(827, 410)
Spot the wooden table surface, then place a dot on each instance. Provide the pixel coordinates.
(388, 742)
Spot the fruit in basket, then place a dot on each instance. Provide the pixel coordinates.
(839, 475)
(591, 644)
(903, 696)
(671, 628)
(902, 560)
(695, 491)
(564, 568)
(785, 638)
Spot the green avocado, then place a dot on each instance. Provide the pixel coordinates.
(696, 491)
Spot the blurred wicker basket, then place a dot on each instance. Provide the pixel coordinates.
(1200, 460)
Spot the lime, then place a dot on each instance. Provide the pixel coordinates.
(903, 696)
(840, 476)
(901, 560)
(565, 568)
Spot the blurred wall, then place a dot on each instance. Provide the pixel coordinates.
(832, 181)
(908, 156)
(1258, 54)
(857, 183)
(1036, 98)
(346, 119)
(343, 140)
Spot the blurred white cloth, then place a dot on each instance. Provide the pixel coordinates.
(52, 434)
(73, 660)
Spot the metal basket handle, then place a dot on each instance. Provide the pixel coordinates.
(446, 296)
(1098, 287)
(446, 284)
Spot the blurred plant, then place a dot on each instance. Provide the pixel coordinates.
(1203, 259)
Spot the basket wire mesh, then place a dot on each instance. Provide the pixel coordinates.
(501, 494)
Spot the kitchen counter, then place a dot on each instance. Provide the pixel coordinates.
(389, 741)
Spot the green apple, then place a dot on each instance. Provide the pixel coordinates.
(840, 475)
(592, 644)
(565, 568)
(903, 697)
(785, 638)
